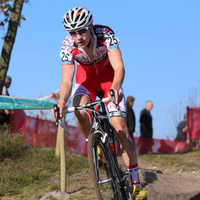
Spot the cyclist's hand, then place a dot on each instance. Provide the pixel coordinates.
(61, 106)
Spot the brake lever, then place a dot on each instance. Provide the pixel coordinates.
(56, 109)
(112, 94)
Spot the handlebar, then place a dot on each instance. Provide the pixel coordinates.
(87, 105)
(73, 109)
(81, 107)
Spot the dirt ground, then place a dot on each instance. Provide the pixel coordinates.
(162, 182)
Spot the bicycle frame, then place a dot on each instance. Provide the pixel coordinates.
(100, 122)
(87, 106)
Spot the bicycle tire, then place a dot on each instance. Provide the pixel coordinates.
(124, 185)
(102, 173)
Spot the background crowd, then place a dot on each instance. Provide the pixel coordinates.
(146, 121)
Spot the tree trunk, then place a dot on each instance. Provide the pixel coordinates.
(9, 40)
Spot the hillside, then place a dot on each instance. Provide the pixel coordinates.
(168, 176)
(28, 173)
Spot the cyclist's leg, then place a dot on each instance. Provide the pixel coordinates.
(121, 132)
(80, 96)
(129, 156)
(127, 147)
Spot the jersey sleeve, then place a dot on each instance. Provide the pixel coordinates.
(66, 51)
(106, 35)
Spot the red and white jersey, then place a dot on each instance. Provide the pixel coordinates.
(97, 75)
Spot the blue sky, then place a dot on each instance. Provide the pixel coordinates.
(160, 44)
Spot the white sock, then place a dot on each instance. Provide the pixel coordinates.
(134, 174)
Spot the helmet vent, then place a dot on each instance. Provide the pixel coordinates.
(73, 25)
(68, 20)
(82, 23)
(72, 15)
(83, 16)
(77, 18)
(90, 18)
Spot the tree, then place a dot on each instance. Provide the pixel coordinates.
(9, 39)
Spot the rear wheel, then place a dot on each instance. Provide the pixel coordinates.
(102, 173)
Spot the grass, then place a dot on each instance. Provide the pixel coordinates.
(11, 146)
(26, 171)
(186, 161)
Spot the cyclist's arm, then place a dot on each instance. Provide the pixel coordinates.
(66, 85)
(116, 61)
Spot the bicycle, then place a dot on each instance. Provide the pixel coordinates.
(109, 181)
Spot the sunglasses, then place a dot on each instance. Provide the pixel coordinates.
(80, 32)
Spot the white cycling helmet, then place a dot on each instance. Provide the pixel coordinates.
(76, 18)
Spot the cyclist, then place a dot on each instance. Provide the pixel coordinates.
(95, 49)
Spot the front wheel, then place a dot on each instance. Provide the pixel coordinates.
(102, 173)
(123, 179)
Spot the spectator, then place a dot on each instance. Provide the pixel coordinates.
(5, 114)
(130, 115)
(146, 125)
(182, 130)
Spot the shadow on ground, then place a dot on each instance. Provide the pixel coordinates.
(196, 197)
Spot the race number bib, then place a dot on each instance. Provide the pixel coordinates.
(110, 39)
(65, 56)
